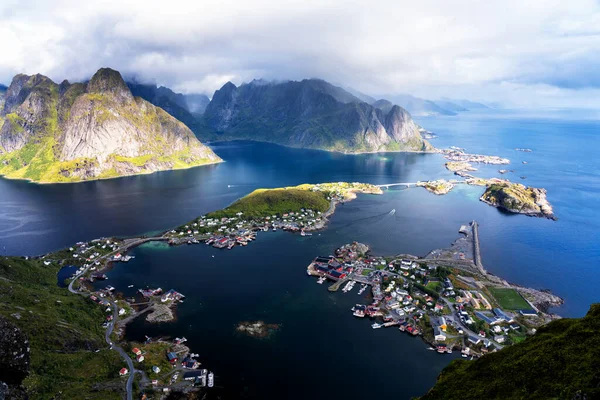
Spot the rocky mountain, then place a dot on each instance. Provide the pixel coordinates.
(2, 93)
(311, 113)
(186, 108)
(561, 361)
(73, 132)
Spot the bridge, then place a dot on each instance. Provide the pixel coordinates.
(407, 184)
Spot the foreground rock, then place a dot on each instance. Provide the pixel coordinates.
(95, 130)
(14, 360)
(518, 198)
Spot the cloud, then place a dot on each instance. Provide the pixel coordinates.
(510, 51)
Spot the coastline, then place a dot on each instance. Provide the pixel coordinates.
(351, 153)
(29, 180)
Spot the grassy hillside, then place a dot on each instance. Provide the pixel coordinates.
(64, 331)
(561, 361)
(266, 202)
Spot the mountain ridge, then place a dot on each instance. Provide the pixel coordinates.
(94, 130)
(311, 113)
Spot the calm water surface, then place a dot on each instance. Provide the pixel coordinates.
(321, 351)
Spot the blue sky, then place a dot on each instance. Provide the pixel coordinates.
(520, 53)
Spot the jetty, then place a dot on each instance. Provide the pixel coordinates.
(476, 248)
(336, 286)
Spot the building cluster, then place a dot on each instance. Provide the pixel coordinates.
(420, 299)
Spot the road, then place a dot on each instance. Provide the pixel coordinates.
(132, 371)
(454, 317)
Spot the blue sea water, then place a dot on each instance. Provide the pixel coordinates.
(319, 339)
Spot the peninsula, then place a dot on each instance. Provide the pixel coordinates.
(446, 297)
(83, 131)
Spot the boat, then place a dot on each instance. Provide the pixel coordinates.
(375, 325)
(211, 379)
(431, 348)
(464, 356)
(130, 286)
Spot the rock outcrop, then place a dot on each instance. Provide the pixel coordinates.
(72, 132)
(518, 198)
(14, 360)
(311, 114)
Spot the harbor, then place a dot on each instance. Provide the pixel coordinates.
(447, 298)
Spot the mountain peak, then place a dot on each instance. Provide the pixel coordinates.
(107, 80)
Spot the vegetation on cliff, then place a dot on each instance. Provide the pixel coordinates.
(64, 332)
(561, 361)
(73, 132)
(312, 114)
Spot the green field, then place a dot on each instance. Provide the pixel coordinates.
(509, 299)
(267, 202)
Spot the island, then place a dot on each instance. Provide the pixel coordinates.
(439, 187)
(303, 208)
(257, 329)
(518, 198)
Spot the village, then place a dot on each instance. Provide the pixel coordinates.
(451, 307)
(230, 227)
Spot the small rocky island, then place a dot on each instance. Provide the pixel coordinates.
(439, 187)
(258, 329)
(518, 198)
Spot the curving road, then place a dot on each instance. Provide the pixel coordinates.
(115, 308)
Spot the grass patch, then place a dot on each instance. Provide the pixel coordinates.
(266, 202)
(509, 299)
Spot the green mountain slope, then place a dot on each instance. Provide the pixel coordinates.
(561, 361)
(312, 114)
(52, 341)
(73, 132)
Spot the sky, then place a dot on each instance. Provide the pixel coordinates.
(530, 54)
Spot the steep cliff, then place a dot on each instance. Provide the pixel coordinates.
(311, 113)
(72, 132)
(186, 108)
(561, 361)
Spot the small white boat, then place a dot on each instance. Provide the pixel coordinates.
(375, 325)
(211, 379)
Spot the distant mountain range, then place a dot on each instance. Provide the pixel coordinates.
(106, 127)
(72, 132)
(421, 107)
(311, 113)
